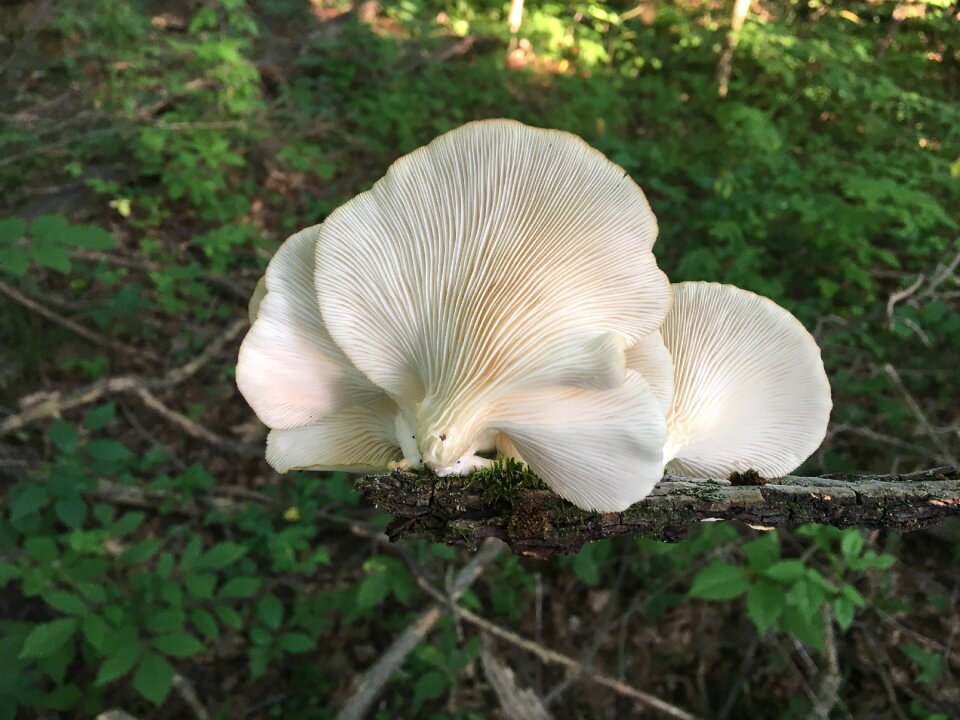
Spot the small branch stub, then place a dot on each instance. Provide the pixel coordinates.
(537, 523)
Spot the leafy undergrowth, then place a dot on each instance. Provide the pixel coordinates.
(152, 158)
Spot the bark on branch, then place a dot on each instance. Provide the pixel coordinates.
(537, 523)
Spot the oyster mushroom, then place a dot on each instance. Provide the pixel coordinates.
(749, 388)
(481, 295)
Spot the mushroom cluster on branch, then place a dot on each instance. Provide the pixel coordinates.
(496, 294)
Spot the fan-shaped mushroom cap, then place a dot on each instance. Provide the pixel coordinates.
(499, 257)
(599, 449)
(289, 369)
(750, 391)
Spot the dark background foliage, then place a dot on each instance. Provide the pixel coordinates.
(154, 154)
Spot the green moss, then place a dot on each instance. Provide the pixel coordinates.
(505, 479)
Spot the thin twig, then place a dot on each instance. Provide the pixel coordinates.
(75, 327)
(545, 654)
(188, 693)
(196, 430)
(374, 680)
(921, 415)
(53, 404)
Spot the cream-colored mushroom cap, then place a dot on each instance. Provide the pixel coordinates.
(750, 390)
(323, 412)
(499, 258)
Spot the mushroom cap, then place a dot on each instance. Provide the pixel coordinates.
(750, 390)
(600, 449)
(323, 411)
(496, 258)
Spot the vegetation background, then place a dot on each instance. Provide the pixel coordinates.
(153, 155)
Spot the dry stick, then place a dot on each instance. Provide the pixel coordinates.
(921, 416)
(188, 693)
(725, 66)
(375, 679)
(830, 677)
(49, 405)
(196, 430)
(74, 326)
(555, 658)
(545, 654)
(517, 703)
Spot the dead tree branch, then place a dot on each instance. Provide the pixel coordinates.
(537, 523)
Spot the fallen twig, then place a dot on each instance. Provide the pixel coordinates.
(52, 404)
(75, 327)
(374, 681)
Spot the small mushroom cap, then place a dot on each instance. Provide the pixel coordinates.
(599, 449)
(289, 369)
(750, 390)
(497, 257)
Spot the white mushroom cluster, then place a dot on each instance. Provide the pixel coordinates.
(496, 294)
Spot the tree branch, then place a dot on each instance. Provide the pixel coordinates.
(537, 523)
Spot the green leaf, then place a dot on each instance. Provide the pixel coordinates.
(430, 686)
(270, 611)
(96, 632)
(221, 555)
(8, 572)
(11, 230)
(843, 612)
(26, 502)
(205, 623)
(807, 628)
(166, 621)
(241, 587)
(90, 237)
(51, 255)
(120, 661)
(99, 417)
(931, 664)
(763, 551)
(586, 566)
(126, 524)
(719, 581)
(71, 509)
(141, 551)
(765, 602)
(65, 602)
(228, 616)
(92, 591)
(852, 543)
(297, 642)
(372, 591)
(853, 595)
(42, 549)
(64, 436)
(200, 585)
(49, 227)
(786, 571)
(154, 678)
(15, 260)
(44, 640)
(107, 450)
(178, 645)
